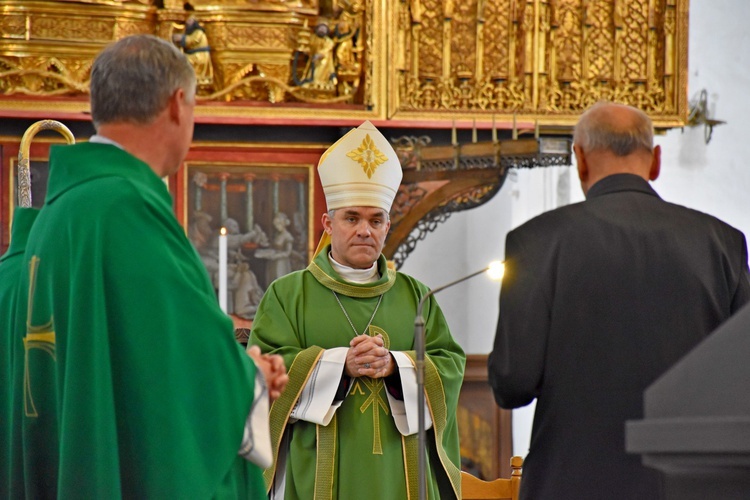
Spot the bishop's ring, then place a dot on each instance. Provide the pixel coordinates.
(367, 365)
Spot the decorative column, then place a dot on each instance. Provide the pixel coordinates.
(224, 177)
(275, 178)
(301, 205)
(249, 178)
(199, 179)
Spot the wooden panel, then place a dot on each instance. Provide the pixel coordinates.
(483, 427)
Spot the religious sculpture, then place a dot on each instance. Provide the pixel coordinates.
(194, 43)
(281, 251)
(320, 70)
(346, 34)
(331, 53)
(247, 292)
(244, 291)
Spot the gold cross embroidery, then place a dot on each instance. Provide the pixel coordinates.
(375, 400)
(37, 337)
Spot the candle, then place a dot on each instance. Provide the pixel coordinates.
(454, 141)
(223, 269)
(494, 129)
(474, 131)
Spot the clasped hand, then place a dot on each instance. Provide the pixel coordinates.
(274, 371)
(368, 357)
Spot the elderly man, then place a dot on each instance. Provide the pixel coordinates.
(131, 383)
(599, 299)
(346, 425)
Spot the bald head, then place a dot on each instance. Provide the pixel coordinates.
(612, 139)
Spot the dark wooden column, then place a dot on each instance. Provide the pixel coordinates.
(484, 428)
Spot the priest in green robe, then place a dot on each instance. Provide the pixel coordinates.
(132, 382)
(10, 271)
(346, 426)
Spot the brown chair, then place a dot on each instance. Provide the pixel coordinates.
(497, 489)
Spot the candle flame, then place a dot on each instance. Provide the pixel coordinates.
(223, 231)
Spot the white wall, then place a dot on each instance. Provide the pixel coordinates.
(713, 178)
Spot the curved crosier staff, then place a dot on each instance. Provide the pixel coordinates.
(24, 172)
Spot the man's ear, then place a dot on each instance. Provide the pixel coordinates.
(655, 169)
(326, 221)
(175, 105)
(583, 168)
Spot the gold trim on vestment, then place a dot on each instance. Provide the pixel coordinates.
(325, 451)
(438, 409)
(40, 337)
(356, 291)
(44, 341)
(410, 447)
(283, 406)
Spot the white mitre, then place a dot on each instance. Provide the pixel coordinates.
(360, 170)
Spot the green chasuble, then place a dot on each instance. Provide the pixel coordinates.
(10, 270)
(133, 383)
(360, 453)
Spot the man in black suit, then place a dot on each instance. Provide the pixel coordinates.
(599, 298)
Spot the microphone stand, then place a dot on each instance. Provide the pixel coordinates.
(419, 344)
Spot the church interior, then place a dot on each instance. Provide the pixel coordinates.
(478, 98)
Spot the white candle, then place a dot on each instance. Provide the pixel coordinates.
(223, 269)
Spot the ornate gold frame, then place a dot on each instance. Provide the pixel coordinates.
(425, 62)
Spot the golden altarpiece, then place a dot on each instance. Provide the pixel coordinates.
(466, 90)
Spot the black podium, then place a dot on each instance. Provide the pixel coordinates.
(696, 426)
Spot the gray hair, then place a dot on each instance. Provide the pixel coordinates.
(600, 129)
(133, 79)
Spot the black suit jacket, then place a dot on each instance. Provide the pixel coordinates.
(598, 299)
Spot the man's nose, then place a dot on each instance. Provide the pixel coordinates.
(363, 229)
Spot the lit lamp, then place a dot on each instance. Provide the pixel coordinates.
(223, 269)
(495, 271)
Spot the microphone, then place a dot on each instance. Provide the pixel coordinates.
(495, 271)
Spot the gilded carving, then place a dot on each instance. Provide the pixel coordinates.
(40, 75)
(78, 29)
(442, 59)
(13, 25)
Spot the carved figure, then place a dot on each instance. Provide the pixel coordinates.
(244, 289)
(281, 251)
(194, 43)
(320, 72)
(247, 291)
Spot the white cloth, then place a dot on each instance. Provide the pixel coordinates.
(316, 401)
(256, 438)
(100, 139)
(405, 412)
(353, 275)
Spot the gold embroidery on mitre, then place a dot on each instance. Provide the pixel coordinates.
(368, 156)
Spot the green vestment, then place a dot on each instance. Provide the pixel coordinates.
(10, 270)
(134, 385)
(360, 453)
